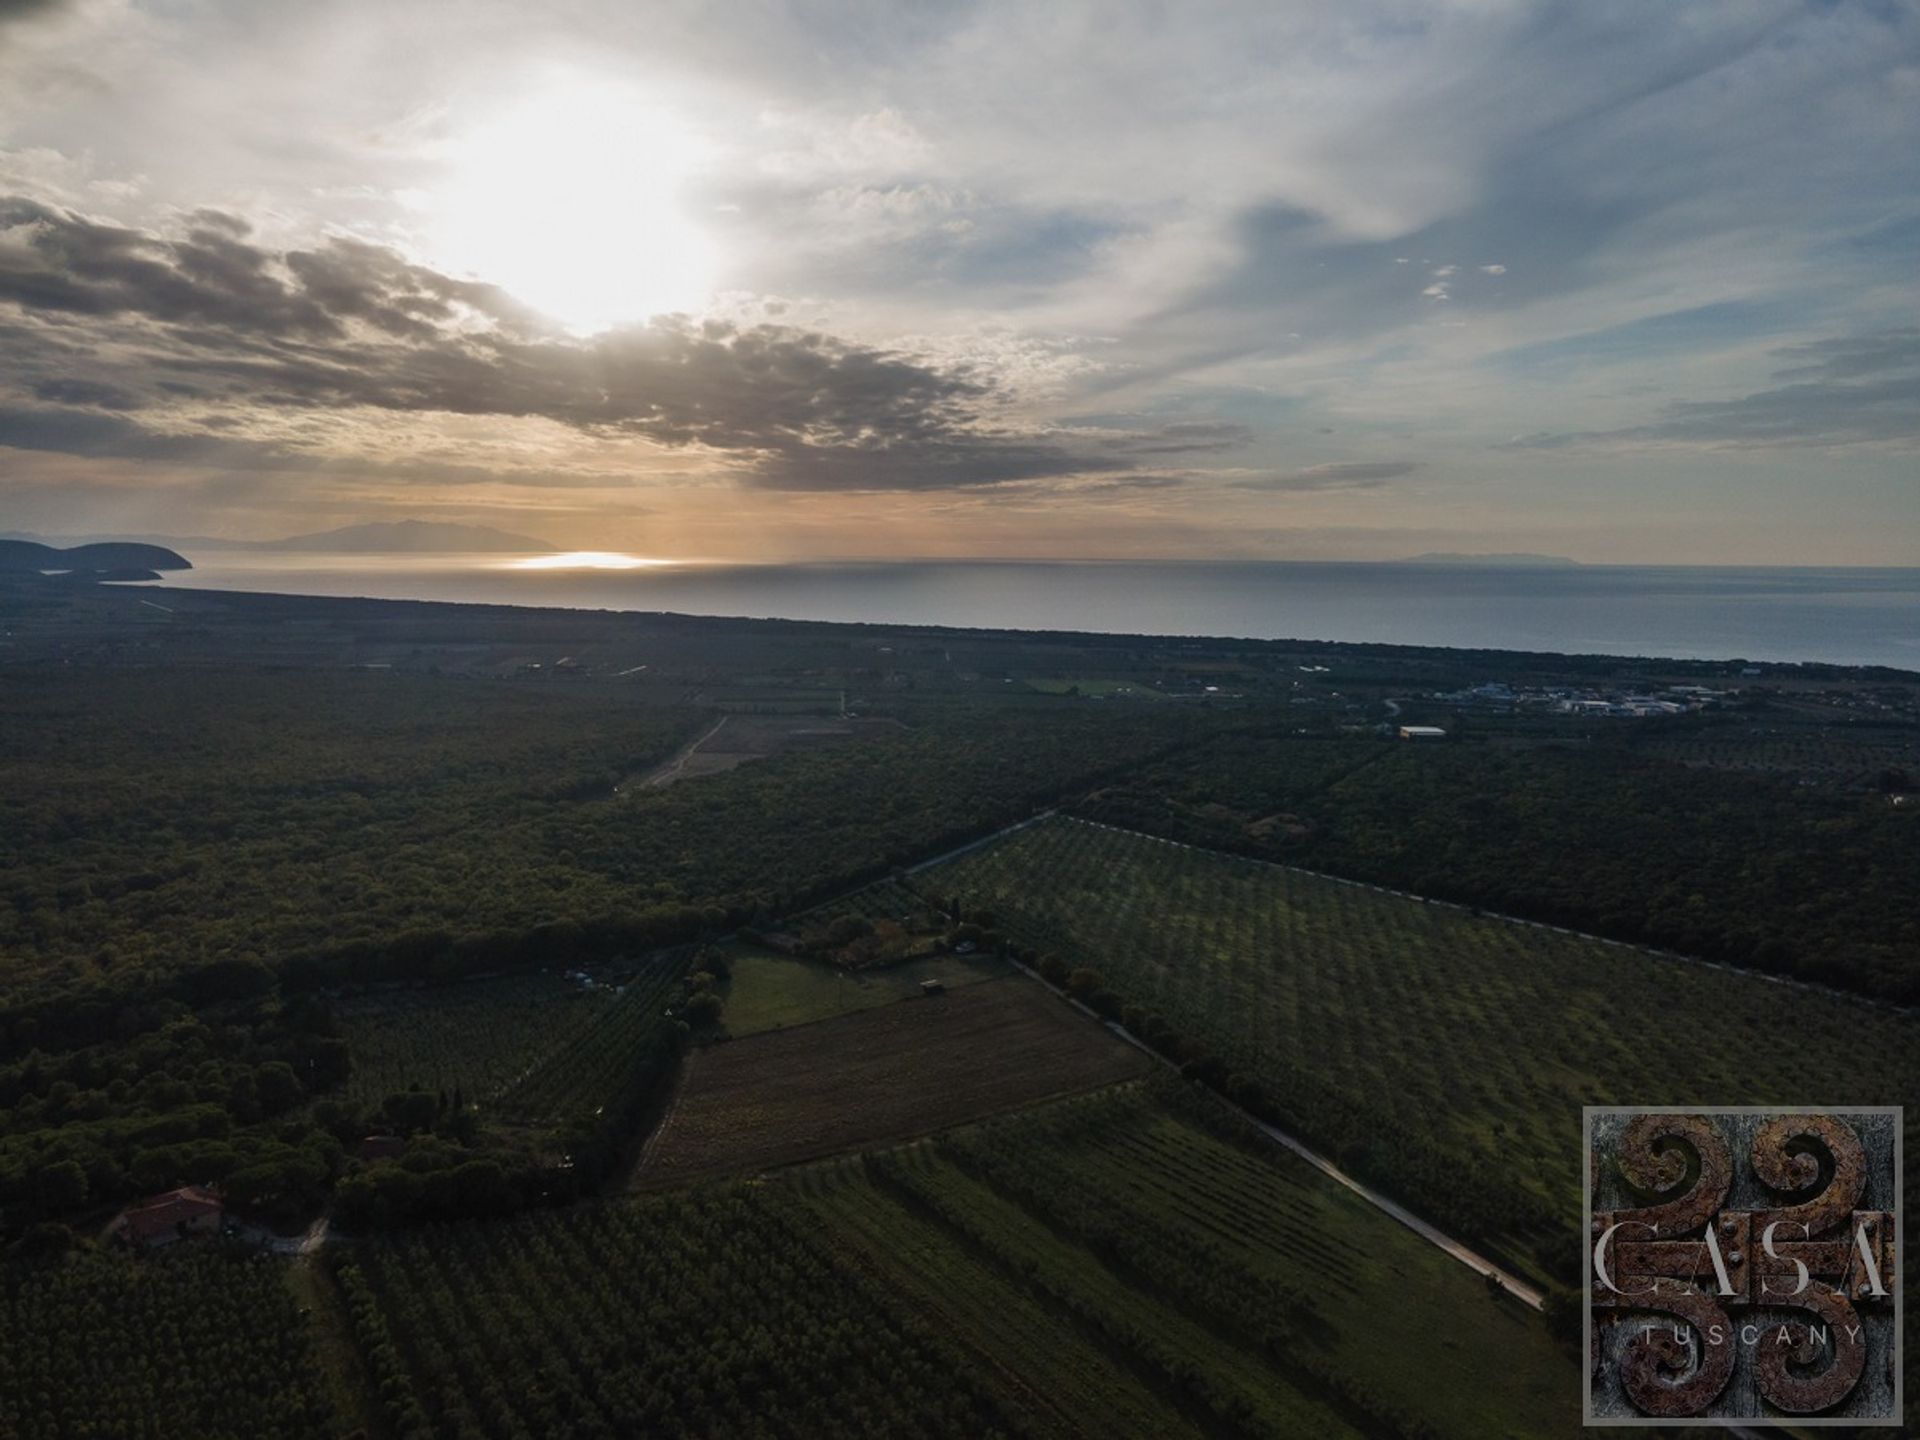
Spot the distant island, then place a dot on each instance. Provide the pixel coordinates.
(407, 537)
(402, 537)
(110, 560)
(1518, 560)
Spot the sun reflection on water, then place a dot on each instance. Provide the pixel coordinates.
(586, 560)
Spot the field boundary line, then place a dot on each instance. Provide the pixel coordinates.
(680, 1074)
(1432, 1234)
(1482, 912)
(972, 845)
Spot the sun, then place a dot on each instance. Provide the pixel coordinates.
(571, 198)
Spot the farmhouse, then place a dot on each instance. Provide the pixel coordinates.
(1422, 732)
(170, 1217)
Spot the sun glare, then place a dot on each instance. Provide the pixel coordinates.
(585, 560)
(571, 200)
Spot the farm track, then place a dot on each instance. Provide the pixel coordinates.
(667, 773)
(1432, 1234)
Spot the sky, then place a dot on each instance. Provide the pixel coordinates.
(1630, 283)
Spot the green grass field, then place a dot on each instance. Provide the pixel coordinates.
(771, 992)
(1444, 1054)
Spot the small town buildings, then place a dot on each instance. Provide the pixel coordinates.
(1422, 732)
(173, 1216)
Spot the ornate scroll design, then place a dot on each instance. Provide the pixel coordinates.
(1781, 1369)
(1654, 1158)
(1783, 1157)
(1659, 1372)
(1690, 1276)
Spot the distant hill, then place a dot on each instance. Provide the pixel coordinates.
(108, 560)
(1515, 559)
(26, 555)
(407, 537)
(98, 556)
(403, 537)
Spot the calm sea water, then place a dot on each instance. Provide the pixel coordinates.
(1849, 616)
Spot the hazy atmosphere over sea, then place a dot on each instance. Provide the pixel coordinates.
(996, 280)
(1849, 616)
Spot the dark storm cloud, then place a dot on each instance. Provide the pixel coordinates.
(1850, 390)
(352, 325)
(1348, 475)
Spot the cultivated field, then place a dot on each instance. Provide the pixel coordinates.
(1444, 1054)
(192, 1342)
(528, 1048)
(879, 1075)
(771, 992)
(1140, 1264)
(703, 1315)
(477, 1037)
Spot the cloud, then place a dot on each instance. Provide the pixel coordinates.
(71, 390)
(1845, 391)
(199, 327)
(21, 9)
(1344, 475)
(1186, 437)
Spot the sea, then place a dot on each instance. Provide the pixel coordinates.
(1841, 616)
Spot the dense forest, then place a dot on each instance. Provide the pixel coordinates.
(188, 872)
(359, 826)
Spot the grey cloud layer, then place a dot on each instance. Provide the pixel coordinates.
(1850, 390)
(124, 320)
(1341, 475)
